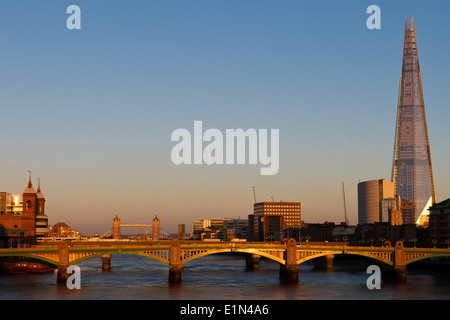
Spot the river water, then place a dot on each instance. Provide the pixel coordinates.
(222, 277)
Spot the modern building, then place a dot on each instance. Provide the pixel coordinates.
(374, 198)
(234, 229)
(271, 219)
(412, 172)
(10, 204)
(255, 227)
(207, 229)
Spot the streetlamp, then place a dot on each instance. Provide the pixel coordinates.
(434, 242)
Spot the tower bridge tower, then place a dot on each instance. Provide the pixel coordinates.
(116, 227)
(155, 228)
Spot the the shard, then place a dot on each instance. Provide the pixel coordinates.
(412, 172)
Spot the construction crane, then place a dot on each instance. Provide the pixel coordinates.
(345, 206)
(254, 194)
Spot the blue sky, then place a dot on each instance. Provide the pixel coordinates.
(91, 111)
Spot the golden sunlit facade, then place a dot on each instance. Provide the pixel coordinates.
(278, 216)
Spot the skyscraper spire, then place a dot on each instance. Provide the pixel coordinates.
(412, 170)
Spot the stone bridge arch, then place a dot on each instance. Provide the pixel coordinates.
(43, 258)
(414, 257)
(109, 254)
(383, 256)
(191, 255)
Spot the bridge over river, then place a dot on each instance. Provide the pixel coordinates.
(175, 253)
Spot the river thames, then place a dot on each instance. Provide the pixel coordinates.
(222, 277)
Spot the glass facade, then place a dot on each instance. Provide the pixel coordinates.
(412, 171)
(10, 204)
(371, 195)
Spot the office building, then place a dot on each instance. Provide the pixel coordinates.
(412, 170)
(207, 229)
(271, 219)
(234, 229)
(374, 197)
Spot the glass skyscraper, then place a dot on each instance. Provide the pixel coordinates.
(412, 171)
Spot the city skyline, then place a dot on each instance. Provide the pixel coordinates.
(90, 112)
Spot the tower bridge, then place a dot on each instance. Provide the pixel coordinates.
(117, 225)
(175, 253)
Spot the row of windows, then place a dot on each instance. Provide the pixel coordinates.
(280, 206)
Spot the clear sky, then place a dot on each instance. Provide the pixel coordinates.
(91, 111)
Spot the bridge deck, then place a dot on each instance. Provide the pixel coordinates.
(190, 250)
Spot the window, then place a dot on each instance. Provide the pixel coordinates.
(28, 206)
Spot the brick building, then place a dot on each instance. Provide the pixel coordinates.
(22, 218)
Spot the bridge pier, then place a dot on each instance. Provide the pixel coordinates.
(397, 272)
(63, 263)
(175, 266)
(324, 263)
(393, 274)
(106, 262)
(289, 274)
(399, 263)
(289, 271)
(252, 261)
(400, 274)
(175, 274)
